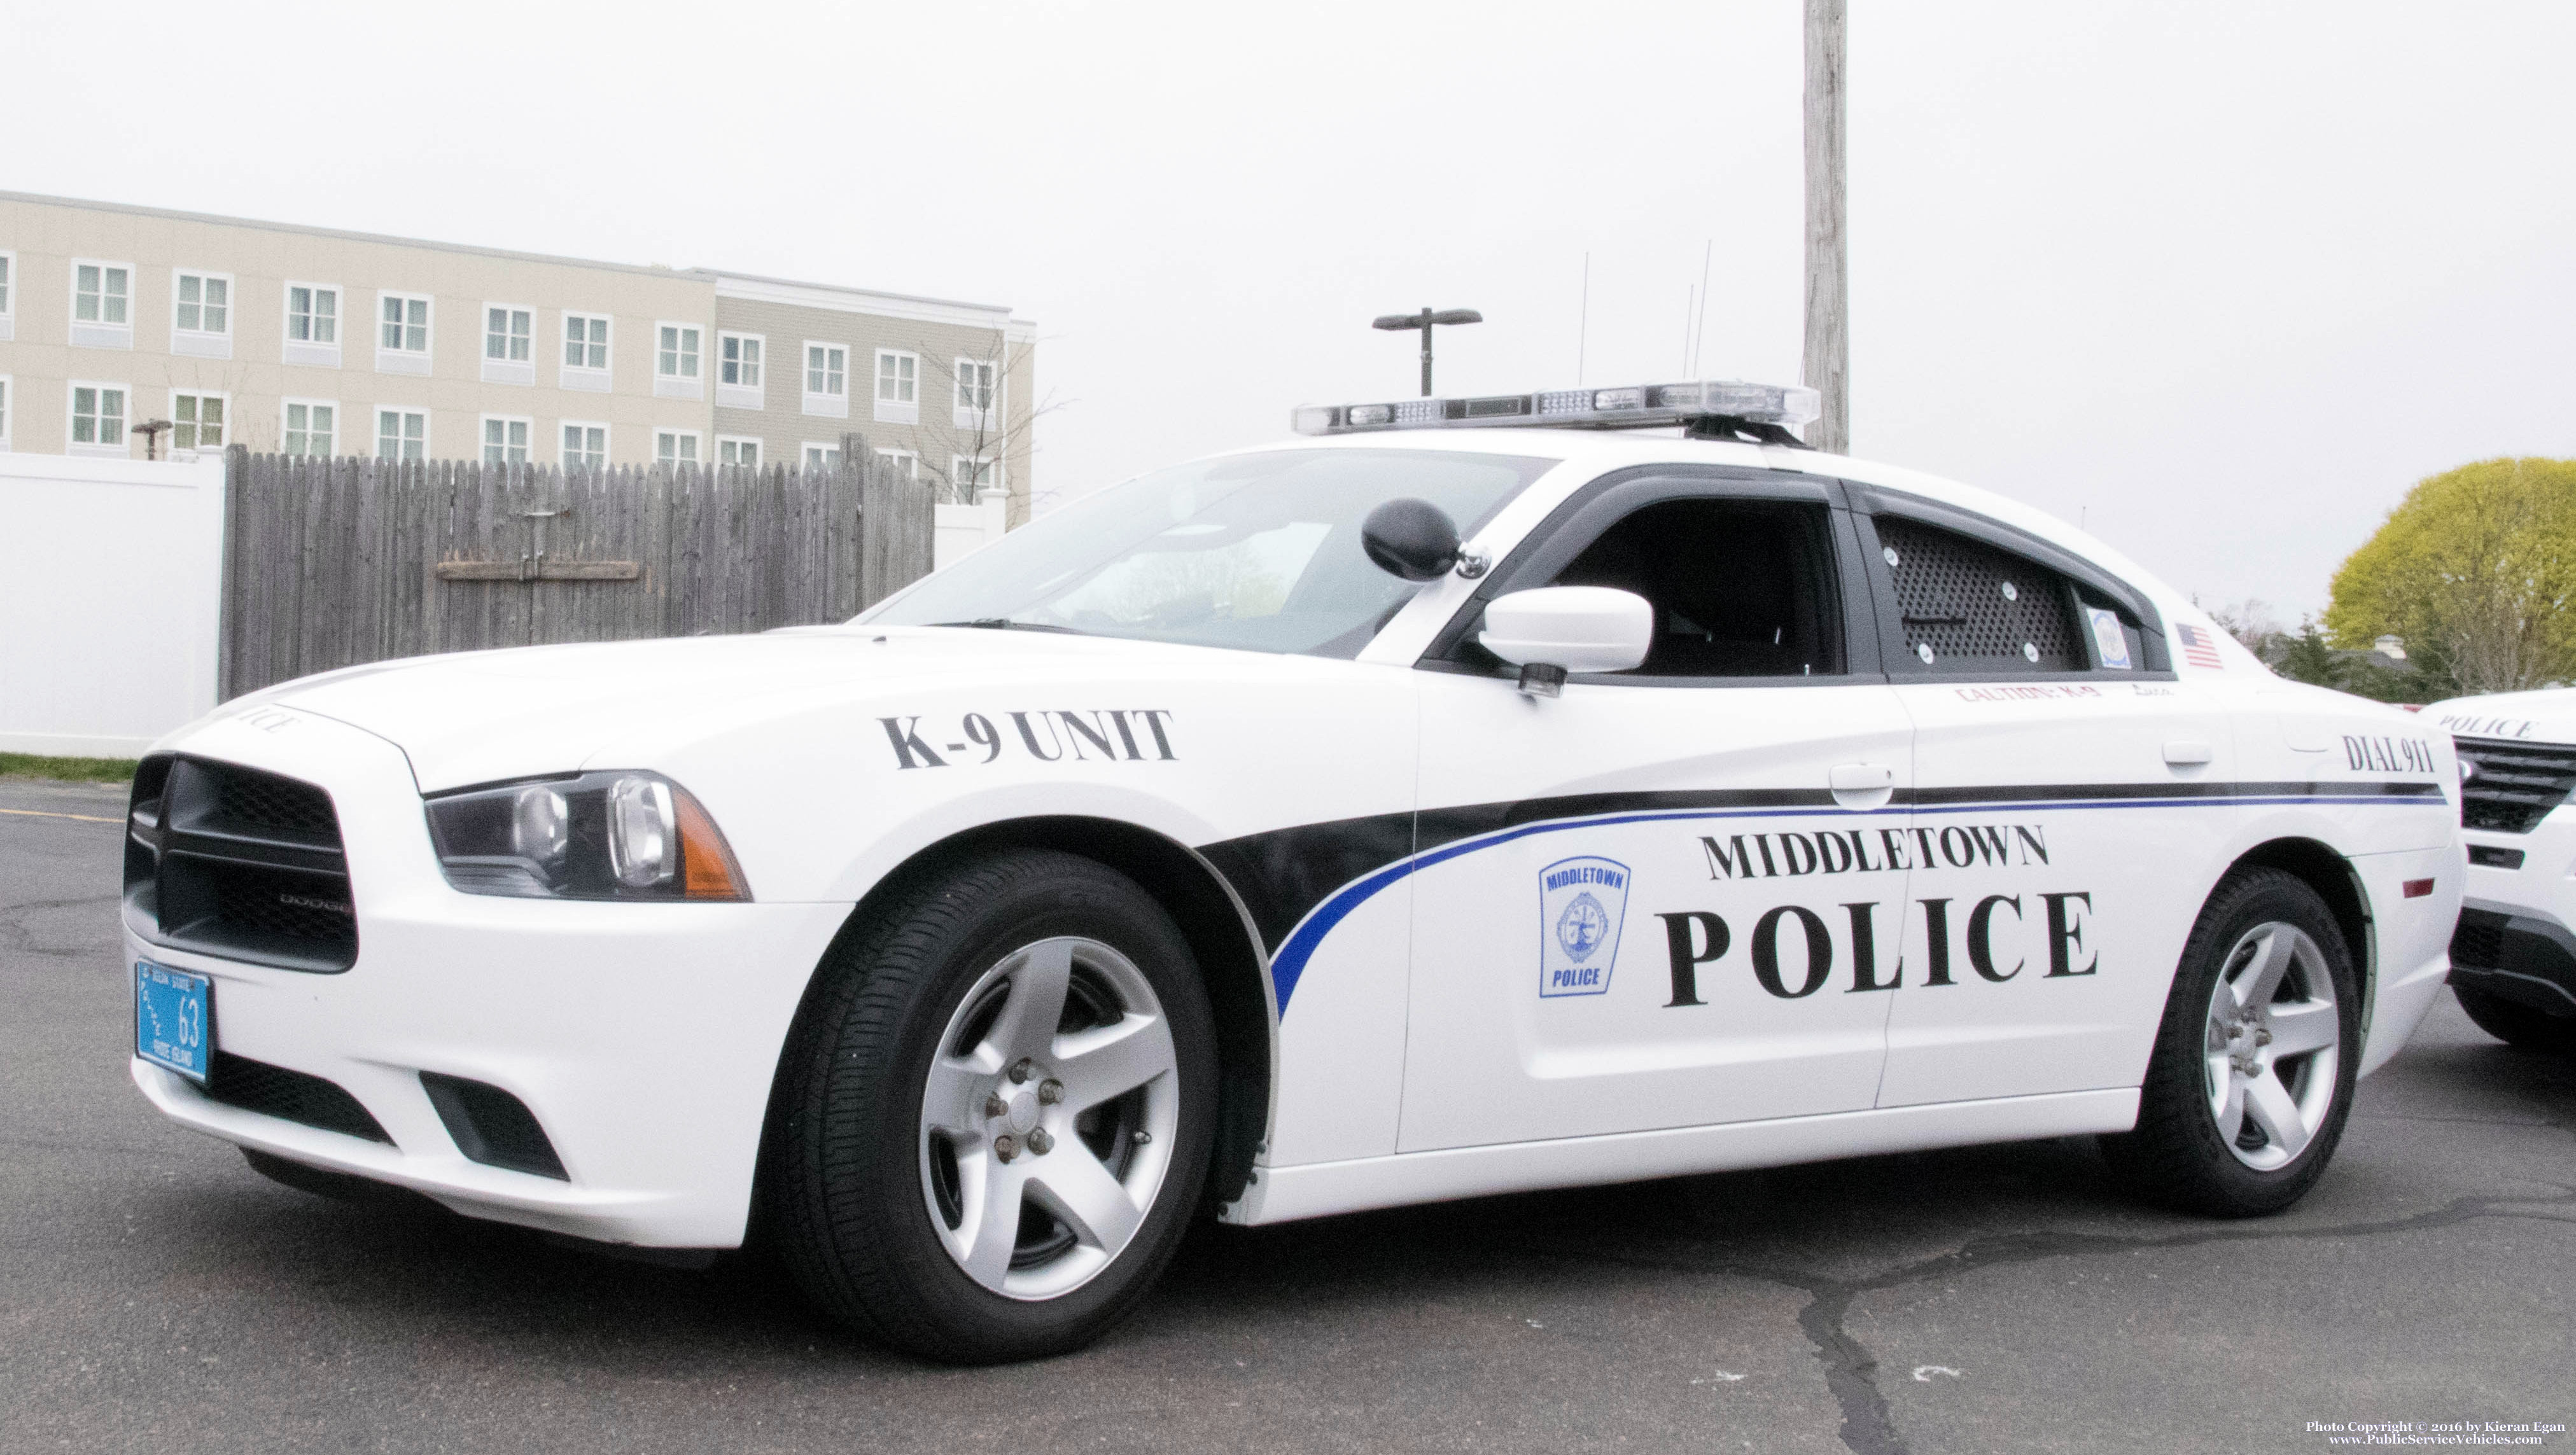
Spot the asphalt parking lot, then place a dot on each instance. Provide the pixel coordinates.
(156, 1293)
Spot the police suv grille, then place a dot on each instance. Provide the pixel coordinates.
(2479, 941)
(1976, 607)
(238, 863)
(293, 1096)
(2515, 785)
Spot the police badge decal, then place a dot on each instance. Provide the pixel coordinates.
(1582, 903)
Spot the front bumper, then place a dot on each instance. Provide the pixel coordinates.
(643, 1038)
(2514, 940)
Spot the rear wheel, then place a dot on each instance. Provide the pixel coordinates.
(2516, 1024)
(2251, 1079)
(995, 1114)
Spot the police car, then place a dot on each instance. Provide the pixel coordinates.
(1473, 795)
(2513, 961)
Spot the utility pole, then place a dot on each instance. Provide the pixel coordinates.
(1426, 320)
(1828, 357)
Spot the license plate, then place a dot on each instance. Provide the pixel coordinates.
(174, 1019)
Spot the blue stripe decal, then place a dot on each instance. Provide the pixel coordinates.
(1289, 965)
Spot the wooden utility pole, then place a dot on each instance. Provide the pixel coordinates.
(1828, 360)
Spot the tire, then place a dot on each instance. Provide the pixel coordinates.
(2251, 1079)
(2518, 1025)
(994, 1114)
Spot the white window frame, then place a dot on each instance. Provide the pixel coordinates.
(8, 403)
(506, 371)
(483, 438)
(894, 408)
(124, 446)
(759, 450)
(987, 476)
(697, 447)
(807, 450)
(98, 333)
(826, 402)
(909, 460)
(285, 413)
(986, 416)
(400, 411)
(751, 395)
(225, 429)
(9, 281)
(563, 452)
(688, 378)
(312, 352)
(402, 358)
(583, 376)
(202, 342)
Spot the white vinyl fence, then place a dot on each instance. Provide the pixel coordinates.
(111, 592)
(963, 528)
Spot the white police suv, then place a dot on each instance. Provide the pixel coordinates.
(2513, 960)
(1443, 804)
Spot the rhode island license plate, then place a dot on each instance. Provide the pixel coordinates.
(174, 1018)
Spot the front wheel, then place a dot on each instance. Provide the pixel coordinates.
(996, 1112)
(2252, 1075)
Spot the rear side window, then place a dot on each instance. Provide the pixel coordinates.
(1965, 606)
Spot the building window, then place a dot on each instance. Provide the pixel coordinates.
(506, 335)
(312, 325)
(822, 457)
(309, 427)
(675, 447)
(740, 362)
(100, 292)
(585, 446)
(737, 451)
(585, 341)
(8, 279)
(204, 303)
(898, 387)
(826, 369)
(974, 386)
(902, 462)
(197, 421)
(402, 434)
(406, 323)
(972, 477)
(676, 357)
(98, 418)
(505, 440)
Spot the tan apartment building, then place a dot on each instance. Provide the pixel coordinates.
(320, 342)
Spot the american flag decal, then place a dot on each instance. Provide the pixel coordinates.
(2199, 648)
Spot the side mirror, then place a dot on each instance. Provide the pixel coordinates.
(1414, 539)
(1555, 630)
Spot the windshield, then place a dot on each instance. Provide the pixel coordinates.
(1258, 551)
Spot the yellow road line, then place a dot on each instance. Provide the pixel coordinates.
(39, 813)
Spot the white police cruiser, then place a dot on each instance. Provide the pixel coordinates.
(1445, 804)
(2513, 960)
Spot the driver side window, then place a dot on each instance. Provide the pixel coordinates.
(1740, 588)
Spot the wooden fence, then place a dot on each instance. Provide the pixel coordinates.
(333, 562)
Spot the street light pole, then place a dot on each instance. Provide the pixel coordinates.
(1828, 354)
(1426, 320)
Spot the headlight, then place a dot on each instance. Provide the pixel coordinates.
(623, 835)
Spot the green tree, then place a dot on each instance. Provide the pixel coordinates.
(2475, 568)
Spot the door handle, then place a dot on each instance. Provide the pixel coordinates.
(2187, 753)
(1860, 777)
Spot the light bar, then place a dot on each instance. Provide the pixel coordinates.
(1635, 406)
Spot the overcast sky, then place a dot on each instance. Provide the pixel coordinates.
(2219, 280)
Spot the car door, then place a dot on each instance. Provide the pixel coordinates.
(2072, 802)
(1664, 897)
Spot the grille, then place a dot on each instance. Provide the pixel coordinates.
(293, 1096)
(1974, 607)
(2479, 940)
(2515, 785)
(238, 863)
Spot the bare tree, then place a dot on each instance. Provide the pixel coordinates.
(967, 429)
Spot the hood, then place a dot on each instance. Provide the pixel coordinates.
(480, 717)
(2544, 716)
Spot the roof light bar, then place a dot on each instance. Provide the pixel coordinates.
(1635, 406)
